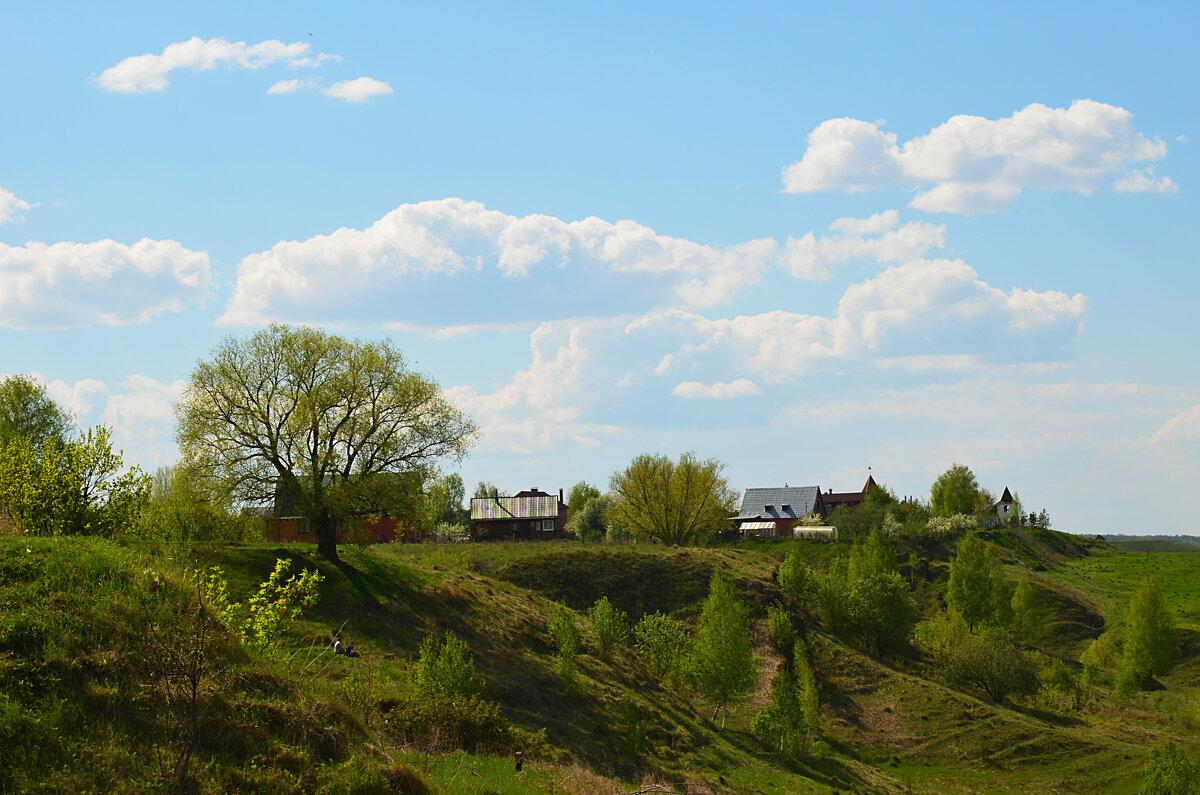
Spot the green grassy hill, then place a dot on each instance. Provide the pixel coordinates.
(86, 628)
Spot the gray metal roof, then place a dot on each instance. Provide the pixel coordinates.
(790, 502)
(542, 507)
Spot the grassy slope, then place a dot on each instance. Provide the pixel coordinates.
(887, 730)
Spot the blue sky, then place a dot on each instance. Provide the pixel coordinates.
(803, 241)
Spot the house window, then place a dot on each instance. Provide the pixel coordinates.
(302, 526)
(547, 525)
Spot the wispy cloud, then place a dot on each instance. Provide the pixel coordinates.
(359, 89)
(1145, 181)
(148, 72)
(10, 206)
(737, 388)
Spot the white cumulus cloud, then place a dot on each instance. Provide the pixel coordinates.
(815, 258)
(148, 72)
(10, 205)
(538, 409)
(357, 90)
(140, 410)
(508, 266)
(970, 164)
(740, 387)
(924, 308)
(68, 285)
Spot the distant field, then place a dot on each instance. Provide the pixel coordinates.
(1112, 575)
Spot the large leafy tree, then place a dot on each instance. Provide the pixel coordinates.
(325, 419)
(954, 491)
(673, 503)
(977, 588)
(27, 411)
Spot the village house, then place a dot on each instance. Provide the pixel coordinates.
(773, 512)
(846, 499)
(368, 523)
(530, 515)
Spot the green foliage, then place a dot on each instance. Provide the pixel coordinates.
(181, 511)
(441, 724)
(1059, 685)
(989, 661)
(722, 664)
(444, 669)
(1149, 634)
(882, 610)
(442, 503)
(1169, 771)
(864, 597)
(588, 521)
(662, 644)
(565, 635)
(672, 503)
(954, 491)
(781, 723)
(806, 681)
(977, 588)
(789, 721)
(942, 634)
(326, 420)
(779, 623)
(608, 627)
(580, 494)
(1028, 619)
(267, 614)
(27, 411)
(277, 603)
(485, 490)
(69, 488)
(794, 578)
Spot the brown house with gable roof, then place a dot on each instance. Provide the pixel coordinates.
(847, 499)
(531, 515)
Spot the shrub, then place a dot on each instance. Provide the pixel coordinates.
(566, 638)
(445, 669)
(794, 579)
(437, 722)
(1168, 772)
(662, 644)
(783, 634)
(991, 662)
(608, 626)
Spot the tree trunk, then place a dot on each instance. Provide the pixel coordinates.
(326, 532)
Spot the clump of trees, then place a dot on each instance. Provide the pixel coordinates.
(1138, 648)
(54, 481)
(976, 641)
(860, 597)
(789, 723)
